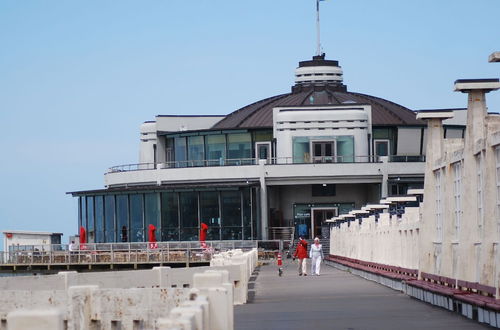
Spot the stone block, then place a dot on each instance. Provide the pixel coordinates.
(49, 319)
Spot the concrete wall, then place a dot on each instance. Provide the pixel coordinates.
(391, 240)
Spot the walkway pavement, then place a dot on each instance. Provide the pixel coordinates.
(336, 300)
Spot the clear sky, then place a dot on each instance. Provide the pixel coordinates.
(77, 78)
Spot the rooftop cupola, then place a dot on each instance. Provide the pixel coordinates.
(319, 72)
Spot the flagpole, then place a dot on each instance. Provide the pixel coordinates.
(318, 43)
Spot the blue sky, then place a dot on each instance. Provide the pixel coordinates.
(77, 78)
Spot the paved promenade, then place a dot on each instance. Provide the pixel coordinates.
(336, 300)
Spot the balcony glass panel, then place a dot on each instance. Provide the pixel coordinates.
(196, 151)
(239, 148)
(137, 218)
(189, 209)
(99, 219)
(180, 152)
(109, 218)
(216, 149)
(122, 217)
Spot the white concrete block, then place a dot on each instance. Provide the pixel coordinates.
(49, 319)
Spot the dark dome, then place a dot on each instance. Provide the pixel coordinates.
(320, 93)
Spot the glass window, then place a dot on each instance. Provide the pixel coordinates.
(189, 209)
(136, 218)
(382, 147)
(247, 213)
(301, 150)
(169, 216)
(84, 212)
(180, 151)
(231, 208)
(345, 149)
(152, 209)
(209, 212)
(216, 149)
(90, 220)
(80, 212)
(99, 219)
(109, 218)
(261, 136)
(239, 147)
(196, 150)
(122, 217)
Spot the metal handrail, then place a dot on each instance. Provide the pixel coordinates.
(133, 252)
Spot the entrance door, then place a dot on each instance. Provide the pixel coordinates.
(323, 151)
(263, 151)
(318, 218)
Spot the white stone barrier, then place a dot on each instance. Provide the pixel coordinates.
(246, 261)
(161, 298)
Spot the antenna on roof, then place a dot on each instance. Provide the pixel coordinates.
(318, 49)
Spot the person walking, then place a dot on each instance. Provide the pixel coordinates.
(316, 255)
(301, 253)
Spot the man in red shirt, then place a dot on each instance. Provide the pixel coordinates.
(301, 253)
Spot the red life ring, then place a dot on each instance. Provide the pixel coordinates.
(9, 235)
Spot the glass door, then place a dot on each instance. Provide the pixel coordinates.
(263, 151)
(318, 218)
(323, 151)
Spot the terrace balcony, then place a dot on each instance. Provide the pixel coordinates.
(278, 171)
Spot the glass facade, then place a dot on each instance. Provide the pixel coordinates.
(196, 151)
(177, 215)
(216, 149)
(180, 152)
(343, 145)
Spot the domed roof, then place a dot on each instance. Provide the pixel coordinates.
(322, 88)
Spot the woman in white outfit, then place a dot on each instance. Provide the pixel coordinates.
(316, 255)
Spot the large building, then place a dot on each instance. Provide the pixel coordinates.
(286, 162)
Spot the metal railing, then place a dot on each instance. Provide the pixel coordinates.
(126, 253)
(255, 161)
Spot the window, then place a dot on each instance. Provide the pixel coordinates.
(90, 220)
(382, 148)
(216, 149)
(188, 204)
(209, 212)
(136, 218)
(457, 196)
(196, 150)
(239, 148)
(99, 219)
(169, 216)
(109, 218)
(180, 151)
(231, 215)
(319, 190)
(122, 218)
(323, 151)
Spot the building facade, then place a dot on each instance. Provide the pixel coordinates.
(282, 164)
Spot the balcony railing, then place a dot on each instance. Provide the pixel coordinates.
(127, 253)
(255, 161)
